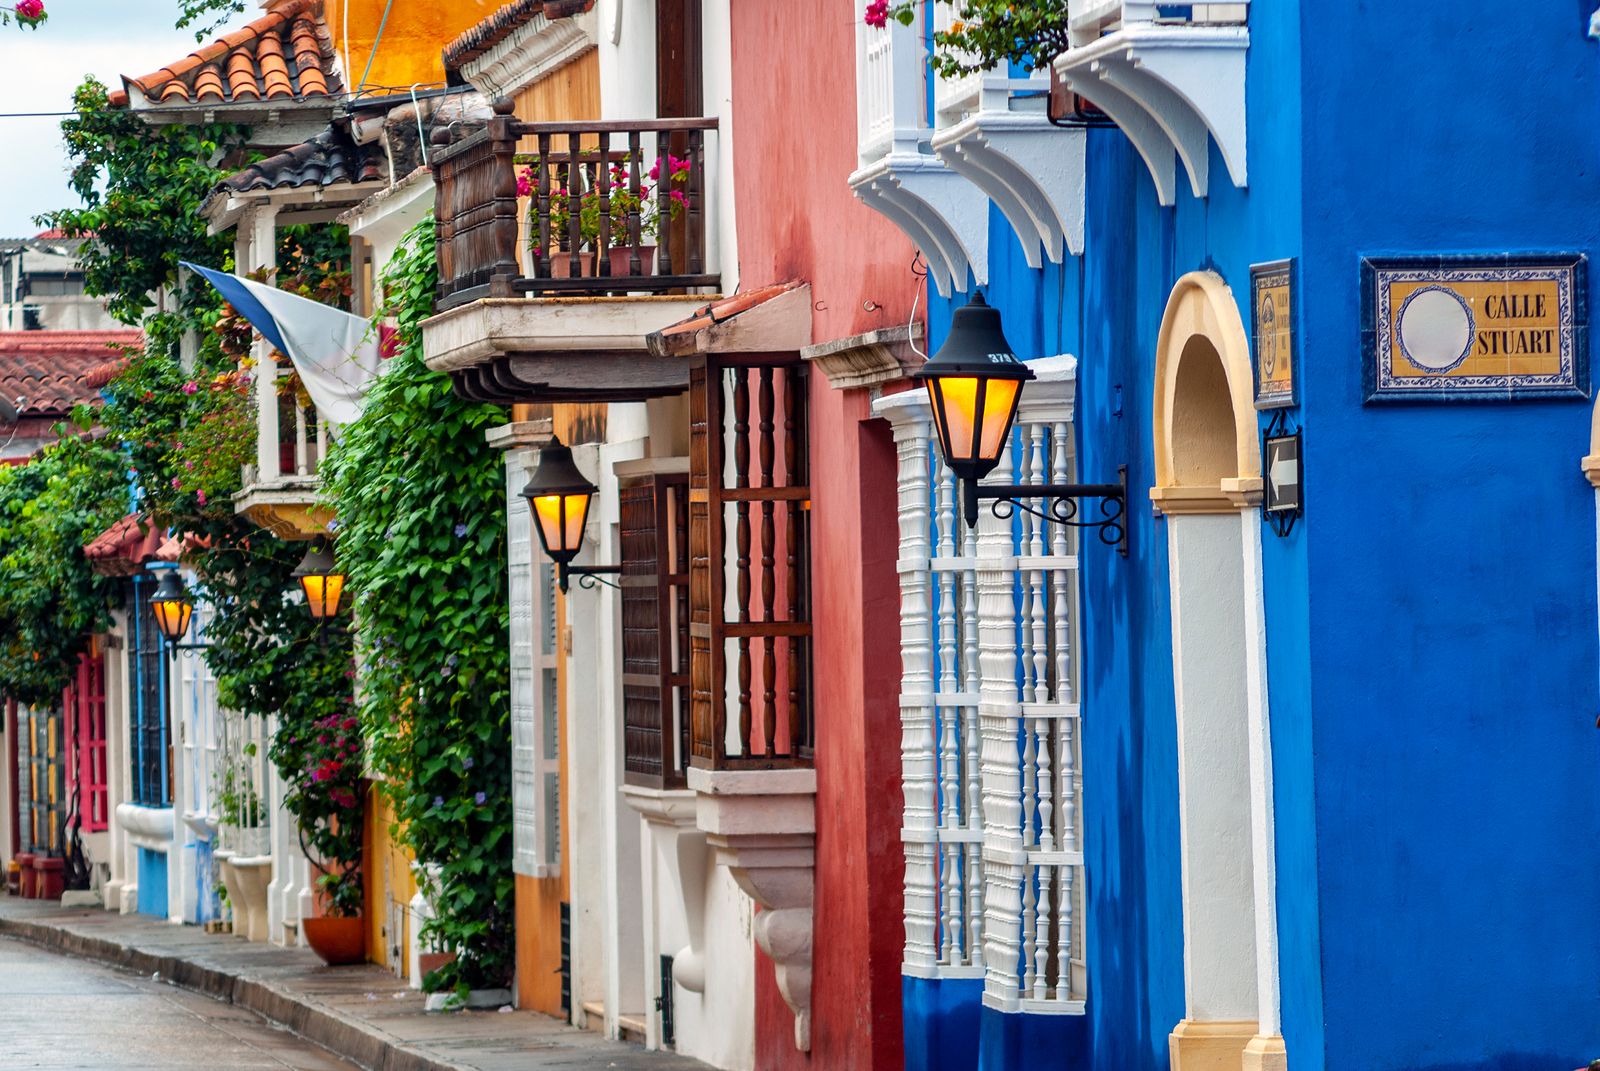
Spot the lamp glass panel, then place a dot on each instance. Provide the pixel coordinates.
(172, 617)
(561, 519)
(955, 402)
(999, 402)
(323, 593)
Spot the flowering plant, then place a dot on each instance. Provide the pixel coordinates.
(622, 202)
(28, 13)
(987, 33)
(318, 750)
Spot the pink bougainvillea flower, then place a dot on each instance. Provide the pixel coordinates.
(877, 13)
(29, 9)
(190, 387)
(201, 496)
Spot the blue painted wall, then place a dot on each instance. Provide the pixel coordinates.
(152, 883)
(1433, 669)
(1452, 578)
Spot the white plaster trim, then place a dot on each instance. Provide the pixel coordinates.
(1168, 87)
(944, 215)
(533, 50)
(1263, 842)
(870, 359)
(762, 824)
(1032, 169)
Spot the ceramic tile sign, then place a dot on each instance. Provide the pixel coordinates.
(1272, 303)
(1489, 328)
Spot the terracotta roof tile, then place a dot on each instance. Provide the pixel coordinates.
(251, 63)
(330, 158)
(497, 27)
(49, 370)
(681, 338)
(125, 547)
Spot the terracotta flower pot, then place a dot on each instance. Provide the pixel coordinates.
(27, 878)
(561, 265)
(621, 260)
(340, 942)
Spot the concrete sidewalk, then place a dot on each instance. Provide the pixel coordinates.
(363, 1014)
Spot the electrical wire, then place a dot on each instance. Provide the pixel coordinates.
(376, 41)
(916, 296)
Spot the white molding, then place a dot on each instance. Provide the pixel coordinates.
(944, 215)
(763, 825)
(870, 359)
(533, 50)
(1032, 169)
(1172, 89)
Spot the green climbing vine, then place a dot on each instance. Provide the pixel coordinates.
(986, 34)
(50, 600)
(420, 498)
(179, 421)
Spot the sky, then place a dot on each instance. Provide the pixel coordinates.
(39, 69)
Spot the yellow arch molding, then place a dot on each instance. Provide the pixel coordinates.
(1203, 466)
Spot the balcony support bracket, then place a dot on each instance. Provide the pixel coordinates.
(1172, 89)
(763, 826)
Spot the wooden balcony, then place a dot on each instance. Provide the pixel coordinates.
(561, 247)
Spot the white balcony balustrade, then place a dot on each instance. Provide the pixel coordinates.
(992, 828)
(943, 215)
(1171, 76)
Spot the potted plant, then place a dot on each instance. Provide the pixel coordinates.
(622, 203)
(319, 754)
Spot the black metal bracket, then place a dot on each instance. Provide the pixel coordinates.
(589, 576)
(1061, 505)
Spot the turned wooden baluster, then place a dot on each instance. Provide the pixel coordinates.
(663, 195)
(635, 265)
(791, 513)
(503, 142)
(574, 197)
(741, 465)
(769, 661)
(602, 182)
(697, 182)
(542, 267)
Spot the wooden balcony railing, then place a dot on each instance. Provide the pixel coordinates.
(583, 208)
(749, 492)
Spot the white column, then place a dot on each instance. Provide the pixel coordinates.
(262, 252)
(908, 415)
(1263, 843)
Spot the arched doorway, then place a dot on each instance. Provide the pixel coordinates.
(1208, 483)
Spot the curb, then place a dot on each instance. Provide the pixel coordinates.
(346, 1038)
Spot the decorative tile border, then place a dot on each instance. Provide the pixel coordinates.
(1504, 327)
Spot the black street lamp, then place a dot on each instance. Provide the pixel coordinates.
(974, 386)
(321, 581)
(559, 496)
(172, 607)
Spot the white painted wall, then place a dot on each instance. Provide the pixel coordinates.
(1214, 783)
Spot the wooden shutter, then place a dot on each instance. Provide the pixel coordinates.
(749, 475)
(655, 629)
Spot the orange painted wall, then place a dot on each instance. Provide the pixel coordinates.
(413, 39)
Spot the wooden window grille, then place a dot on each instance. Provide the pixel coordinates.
(749, 531)
(655, 629)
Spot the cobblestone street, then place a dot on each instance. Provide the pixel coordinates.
(61, 1012)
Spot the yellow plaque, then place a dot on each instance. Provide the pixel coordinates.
(1273, 312)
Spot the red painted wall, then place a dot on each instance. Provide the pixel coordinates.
(798, 219)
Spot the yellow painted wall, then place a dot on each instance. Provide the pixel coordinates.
(413, 39)
(387, 884)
